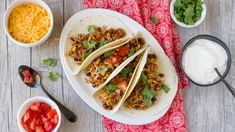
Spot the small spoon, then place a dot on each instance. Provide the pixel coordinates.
(37, 84)
(230, 88)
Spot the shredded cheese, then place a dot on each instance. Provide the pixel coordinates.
(28, 23)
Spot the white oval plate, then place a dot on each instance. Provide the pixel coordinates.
(85, 90)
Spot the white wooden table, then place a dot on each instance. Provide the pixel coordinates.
(210, 109)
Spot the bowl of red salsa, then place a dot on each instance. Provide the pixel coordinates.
(39, 114)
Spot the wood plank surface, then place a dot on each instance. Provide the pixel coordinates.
(207, 109)
(19, 92)
(4, 83)
(89, 120)
(211, 109)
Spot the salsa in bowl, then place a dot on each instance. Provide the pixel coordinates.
(39, 114)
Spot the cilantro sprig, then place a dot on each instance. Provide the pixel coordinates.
(85, 55)
(188, 11)
(53, 76)
(89, 44)
(132, 52)
(165, 88)
(154, 20)
(102, 43)
(110, 88)
(102, 70)
(126, 70)
(91, 29)
(109, 53)
(49, 62)
(144, 78)
(148, 93)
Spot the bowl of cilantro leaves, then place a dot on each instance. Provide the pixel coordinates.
(188, 13)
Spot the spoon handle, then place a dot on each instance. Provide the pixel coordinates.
(67, 113)
(230, 88)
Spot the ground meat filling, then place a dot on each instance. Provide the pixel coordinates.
(113, 92)
(84, 44)
(100, 69)
(138, 99)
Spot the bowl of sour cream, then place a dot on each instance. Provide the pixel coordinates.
(201, 55)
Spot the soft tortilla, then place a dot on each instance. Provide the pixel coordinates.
(81, 27)
(95, 97)
(164, 99)
(123, 64)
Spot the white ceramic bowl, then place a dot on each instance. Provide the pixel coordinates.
(19, 2)
(203, 16)
(29, 102)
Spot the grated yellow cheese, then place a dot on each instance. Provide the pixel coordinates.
(28, 23)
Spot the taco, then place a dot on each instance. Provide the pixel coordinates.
(89, 37)
(149, 91)
(101, 68)
(109, 96)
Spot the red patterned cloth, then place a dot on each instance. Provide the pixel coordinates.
(142, 11)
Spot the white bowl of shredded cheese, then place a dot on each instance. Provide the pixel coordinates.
(28, 23)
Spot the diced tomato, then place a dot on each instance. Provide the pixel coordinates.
(39, 117)
(34, 114)
(39, 129)
(48, 126)
(55, 119)
(26, 118)
(25, 126)
(38, 122)
(123, 51)
(44, 108)
(51, 114)
(122, 86)
(44, 120)
(101, 64)
(32, 124)
(115, 59)
(26, 73)
(34, 107)
(28, 80)
(38, 104)
(27, 76)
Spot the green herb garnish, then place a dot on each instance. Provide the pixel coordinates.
(85, 55)
(144, 78)
(153, 92)
(148, 95)
(110, 88)
(102, 70)
(49, 62)
(109, 53)
(89, 44)
(91, 29)
(165, 88)
(126, 70)
(132, 52)
(53, 76)
(199, 10)
(188, 11)
(154, 20)
(102, 43)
